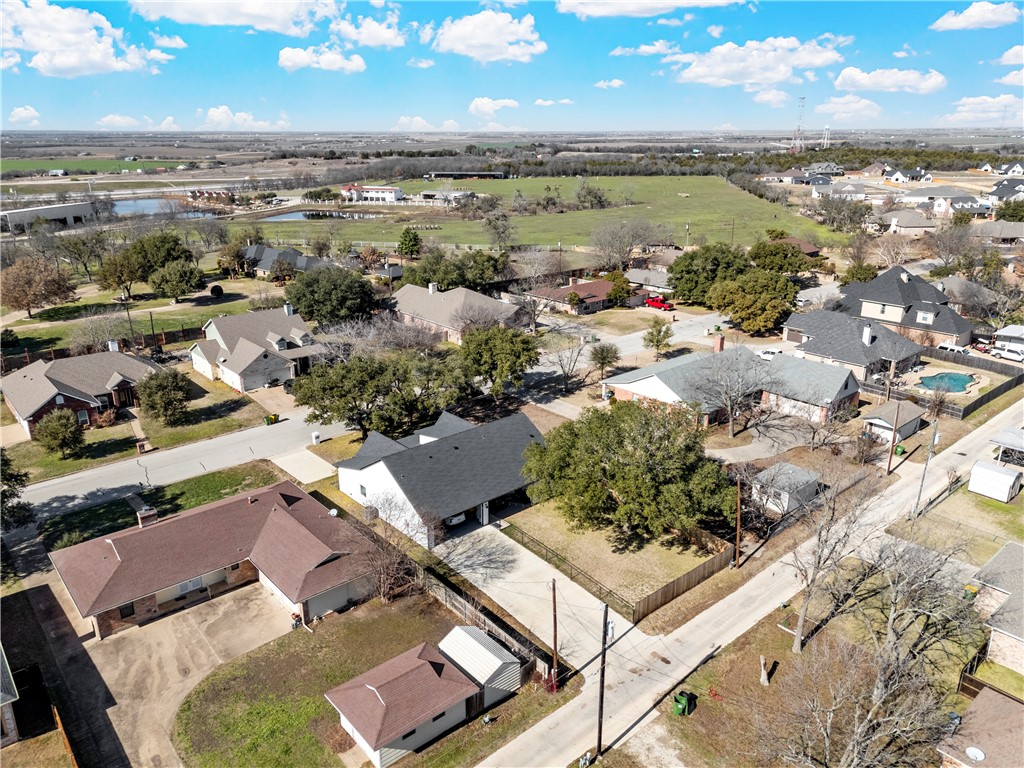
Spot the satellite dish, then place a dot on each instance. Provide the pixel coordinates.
(974, 754)
(334, 513)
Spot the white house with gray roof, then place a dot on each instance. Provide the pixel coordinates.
(450, 313)
(253, 349)
(87, 385)
(440, 474)
(784, 488)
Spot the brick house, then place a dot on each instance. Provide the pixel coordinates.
(450, 313)
(992, 730)
(313, 561)
(87, 385)
(593, 296)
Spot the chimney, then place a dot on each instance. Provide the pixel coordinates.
(289, 309)
(432, 287)
(147, 516)
(941, 286)
(113, 346)
(718, 343)
(866, 335)
(905, 276)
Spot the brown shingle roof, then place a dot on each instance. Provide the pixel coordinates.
(593, 290)
(394, 698)
(284, 532)
(994, 724)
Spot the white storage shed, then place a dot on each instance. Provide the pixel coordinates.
(996, 482)
(485, 660)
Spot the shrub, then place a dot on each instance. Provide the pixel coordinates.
(164, 395)
(216, 291)
(60, 431)
(69, 539)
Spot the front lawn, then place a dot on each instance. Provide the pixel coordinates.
(214, 409)
(268, 707)
(628, 567)
(338, 448)
(117, 515)
(6, 417)
(102, 446)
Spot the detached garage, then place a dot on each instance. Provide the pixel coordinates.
(994, 481)
(484, 660)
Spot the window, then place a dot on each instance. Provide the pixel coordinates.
(127, 611)
(83, 417)
(409, 735)
(438, 717)
(362, 491)
(925, 317)
(235, 566)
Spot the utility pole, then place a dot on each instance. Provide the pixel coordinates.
(739, 509)
(924, 473)
(600, 690)
(892, 440)
(554, 640)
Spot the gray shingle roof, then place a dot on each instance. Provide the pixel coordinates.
(85, 377)
(648, 277)
(1005, 572)
(786, 477)
(840, 337)
(265, 256)
(914, 295)
(963, 291)
(256, 326)
(450, 309)
(808, 381)
(458, 472)
(374, 448)
(245, 354)
(446, 424)
(886, 413)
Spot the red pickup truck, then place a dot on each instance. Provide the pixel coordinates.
(659, 303)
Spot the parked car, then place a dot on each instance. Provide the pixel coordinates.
(1008, 354)
(768, 354)
(455, 519)
(659, 303)
(982, 346)
(947, 346)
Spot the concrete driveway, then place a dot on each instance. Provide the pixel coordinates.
(273, 399)
(13, 434)
(148, 671)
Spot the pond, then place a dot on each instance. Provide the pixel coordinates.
(315, 215)
(950, 382)
(148, 206)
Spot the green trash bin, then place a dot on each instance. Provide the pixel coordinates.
(681, 704)
(718, 327)
(266, 420)
(900, 450)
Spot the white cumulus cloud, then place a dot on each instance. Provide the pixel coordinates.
(758, 62)
(904, 52)
(586, 9)
(420, 63)
(483, 106)
(890, 80)
(167, 124)
(1001, 111)
(772, 97)
(849, 108)
(10, 60)
(295, 17)
(118, 122)
(716, 30)
(426, 33)
(1012, 78)
(68, 42)
(223, 119)
(657, 48)
(1013, 57)
(490, 36)
(983, 15)
(614, 83)
(417, 124)
(167, 41)
(324, 56)
(369, 32)
(669, 22)
(552, 102)
(26, 114)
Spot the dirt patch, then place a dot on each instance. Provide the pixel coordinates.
(542, 417)
(652, 745)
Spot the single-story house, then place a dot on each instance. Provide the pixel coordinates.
(88, 385)
(881, 420)
(310, 559)
(1010, 337)
(810, 250)
(796, 387)
(789, 176)
(263, 258)
(908, 304)
(995, 481)
(991, 730)
(653, 280)
(1011, 169)
(866, 348)
(875, 169)
(485, 661)
(929, 194)
(251, 350)
(967, 297)
(403, 704)
(905, 222)
(843, 190)
(8, 695)
(1005, 191)
(451, 313)
(784, 487)
(1000, 602)
(593, 295)
(825, 169)
(999, 232)
(358, 193)
(449, 471)
(1010, 442)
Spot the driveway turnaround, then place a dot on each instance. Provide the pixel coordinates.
(149, 670)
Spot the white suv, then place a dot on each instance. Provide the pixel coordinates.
(1008, 354)
(768, 354)
(947, 346)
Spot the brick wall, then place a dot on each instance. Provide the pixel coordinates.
(109, 622)
(72, 404)
(245, 573)
(1007, 651)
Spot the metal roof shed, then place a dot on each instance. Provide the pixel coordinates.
(485, 660)
(994, 481)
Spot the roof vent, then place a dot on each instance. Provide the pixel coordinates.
(905, 276)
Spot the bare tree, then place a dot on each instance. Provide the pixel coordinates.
(893, 249)
(836, 525)
(96, 328)
(615, 241)
(949, 243)
(536, 267)
(732, 382)
(392, 568)
(370, 336)
(832, 432)
(564, 349)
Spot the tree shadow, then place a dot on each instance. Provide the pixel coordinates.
(623, 540)
(110, 446)
(212, 412)
(674, 353)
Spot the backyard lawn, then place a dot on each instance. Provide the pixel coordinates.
(102, 446)
(632, 573)
(46, 750)
(1002, 678)
(6, 417)
(268, 707)
(214, 409)
(177, 497)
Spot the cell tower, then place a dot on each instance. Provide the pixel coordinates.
(798, 136)
(825, 137)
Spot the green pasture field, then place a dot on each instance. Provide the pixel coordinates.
(80, 164)
(713, 209)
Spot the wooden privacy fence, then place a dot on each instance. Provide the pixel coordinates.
(652, 602)
(64, 737)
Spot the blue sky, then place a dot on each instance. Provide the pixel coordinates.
(572, 65)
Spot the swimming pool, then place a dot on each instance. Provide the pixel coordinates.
(950, 382)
